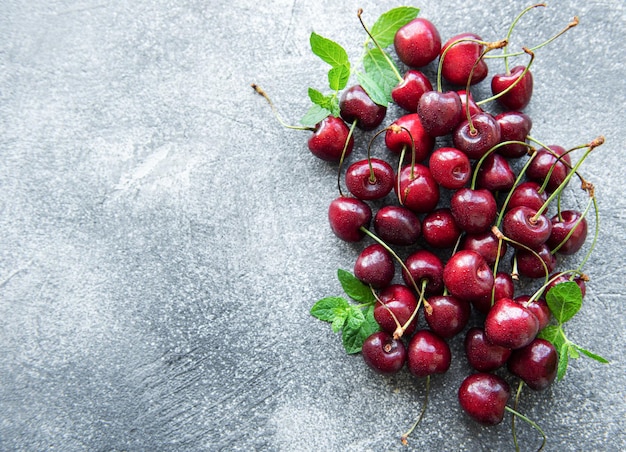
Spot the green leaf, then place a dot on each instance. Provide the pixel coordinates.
(317, 97)
(371, 87)
(327, 102)
(591, 355)
(314, 115)
(338, 77)
(386, 26)
(329, 51)
(377, 67)
(358, 327)
(327, 309)
(564, 300)
(563, 358)
(339, 321)
(354, 288)
(553, 334)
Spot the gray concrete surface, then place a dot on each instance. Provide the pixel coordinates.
(162, 238)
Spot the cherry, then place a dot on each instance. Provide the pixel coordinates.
(540, 167)
(502, 288)
(374, 266)
(518, 97)
(511, 325)
(562, 225)
(417, 43)
(485, 244)
(481, 354)
(448, 315)
(450, 167)
(477, 136)
(565, 278)
(514, 126)
(527, 194)
(538, 307)
(439, 229)
(399, 300)
(397, 225)
(356, 105)
(522, 225)
(495, 174)
(329, 138)
(474, 210)
(529, 265)
(409, 91)
(347, 216)
(370, 179)
(467, 276)
(428, 354)
(424, 265)
(418, 189)
(483, 397)
(536, 364)
(384, 354)
(459, 60)
(473, 106)
(440, 112)
(397, 138)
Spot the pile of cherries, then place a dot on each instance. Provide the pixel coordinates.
(456, 214)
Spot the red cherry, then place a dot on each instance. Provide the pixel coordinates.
(535, 363)
(428, 354)
(400, 301)
(527, 194)
(409, 91)
(514, 126)
(518, 97)
(439, 229)
(397, 138)
(440, 112)
(531, 266)
(540, 167)
(481, 354)
(448, 315)
(329, 139)
(562, 225)
(511, 325)
(347, 216)
(474, 210)
(424, 266)
(502, 288)
(486, 244)
(356, 105)
(363, 185)
(450, 167)
(418, 189)
(476, 141)
(417, 43)
(538, 307)
(520, 224)
(397, 225)
(483, 397)
(384, 354)
(459, 60)
(495, 174)
(374, 266)
(467, 276)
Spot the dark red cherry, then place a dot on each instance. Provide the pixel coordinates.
(520, 224)
(417, 43)
(473, 106)
(564, 224)
(399, 300)
(531, 266)
(538, 307)
(459, 60)
(474, 210)
(502, 288)
(356, 104)
(527, 194)
(448, 315)
(518, 97)
(329, 139)
(467, 276)
(511, 325)
(397, 138)
(384, 354)
(428, 354)
(374, 266)
(514, 126)
(397, 225)
(535, 363)
(483, 397)
(424, 266)
(439, 229)
(450, 167)
(408, 92)
(495, 174)
(370, 179)
(481, 354)
(485, 244)
(544, 160)
(418, 190)
(440, 112)
(347, 216)
(477, 138)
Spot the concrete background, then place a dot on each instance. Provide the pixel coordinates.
(162, 238)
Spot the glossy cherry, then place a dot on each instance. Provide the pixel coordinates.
(347, 216)
(399, 133)
(539, 168)
(477, 137)
(397, 225)
(483, 396)
(522, 225)
(562, 225)
(440, 112)
(474, 210)
(514, 126)
(473, 106)
(384, 354)
(485, 244)
(502, 288)
(417, 43)
(531, 266)
(439, 228)
(450, 167)
(510, 324)
(536, 364)
(418, 189)
(518, 97)
(564, 278)
(495, 174)
(481, 354)
(409, 91)
(538, 307)
(356, 104)
(424, 265)
(527, 194)
(467, 276)
(374, 266)
(370, 179)
(428, 354)
(329, 139)
(459, 60)
(448, 315)
(400, 300)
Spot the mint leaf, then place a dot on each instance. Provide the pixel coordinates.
(339, 321)
(338, 77)
(371, 87)
(563, 358)
(329, 51)
(317, 97)
(314, 115)
(564, 300)
(591, 355)
(386, 26)
(553, 334)
(354, 288)
(327, 309)
(377, 68)
(358, 327)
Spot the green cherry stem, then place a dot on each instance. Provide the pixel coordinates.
(443, 56)
(569, 234)
(491, 151)
(505, 49)
(343, 156)
(515, 405)
(389, 62)
(531, 422)
(595, 236)
(533, 153)
(262, 92)
(405, 436)
(500, 236)
(512, 85)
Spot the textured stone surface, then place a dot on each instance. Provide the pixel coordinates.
(162, 238)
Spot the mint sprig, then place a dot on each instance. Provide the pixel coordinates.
(565, 300)
(355, 321)
(387, 25)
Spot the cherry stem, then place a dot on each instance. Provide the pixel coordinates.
(512, 85)
(398, 178)
(532, 423)
(510, 32)
(542, 289)
(491, 151)
(443, 55)
(595, 236)
(515, 405)
(405, 437)
(495, 269)
(515, 184)
(372, 177)
(571, 231)
(343, 155)
(261, 92)
(500, 235)
(399, 329)
(389, 62)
